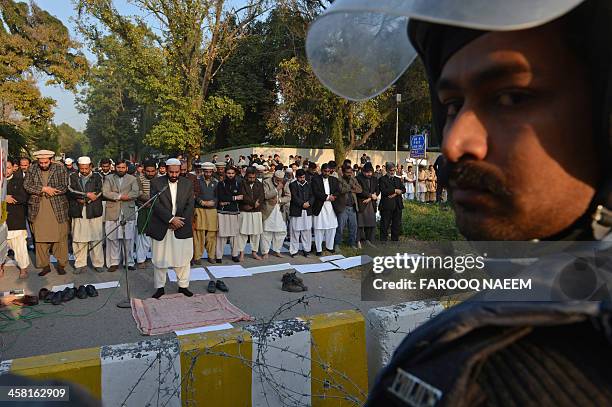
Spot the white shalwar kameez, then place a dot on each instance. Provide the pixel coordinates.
(87, 235)
(301, 230)
(325, 223)
(172, 252)
(275, 231)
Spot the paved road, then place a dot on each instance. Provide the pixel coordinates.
(97, 321)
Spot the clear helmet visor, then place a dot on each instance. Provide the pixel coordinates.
(358, 48)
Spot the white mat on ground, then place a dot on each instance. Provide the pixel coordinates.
(315, 268)
(197, 274)
(270, 268)
(99, 286)
(202, 329)
(351, 262)
(229, 271)
(332, 257)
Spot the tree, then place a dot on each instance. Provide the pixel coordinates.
(196, 39)
(310, 112)
(33, 41)
(71, 142)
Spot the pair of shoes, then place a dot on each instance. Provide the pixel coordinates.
(218, 261)
(292, 283)
(68, 294)
(236, 259)
(47, 296)
(26, 301)
(197, 262)
(60, 270)
(45, 271)
(158, 293)
(112, 269)
(91, 290)
(211, 260)
(319, 254)
(81, 292)
(218, 285)
(79, 270)
(185, 292)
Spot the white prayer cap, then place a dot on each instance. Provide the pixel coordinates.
(279, 174)
(43, 154)
(173, 161)
(84, 160)
(68, 161)
(289, 170)
(259, 167)
(208, 166)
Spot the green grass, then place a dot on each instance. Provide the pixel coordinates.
(429, 222)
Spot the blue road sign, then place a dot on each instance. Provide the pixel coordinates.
(418, 146)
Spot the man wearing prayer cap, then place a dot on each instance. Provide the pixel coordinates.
(220, 173)
(70, 165)
(170, 228)
(277, 197)
(325, 189)
(250, 218)
(86, 214)
(121, 191)
(391, 203)
(47, 184)
(205, 223)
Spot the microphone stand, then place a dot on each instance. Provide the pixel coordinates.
(127, 303)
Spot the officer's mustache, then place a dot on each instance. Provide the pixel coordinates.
(475, 175)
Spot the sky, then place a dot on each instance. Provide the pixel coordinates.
(65, 110)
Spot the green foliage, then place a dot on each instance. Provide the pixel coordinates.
(429, 222)
(71, 142)
(32, 41)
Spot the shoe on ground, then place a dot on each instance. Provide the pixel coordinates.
(319, 254)
(26, 301)
(60, 270)
(292, 285)
(131, 268)
(79, 270)
(212, 287)
(211, 260)
(68, 294)
(158, 293)
(292, 255)
(49, 296)
(221, 286)
(197, 262)
(185, 292)
(236, 259)
(332, 251)
(112, 269)
(291, 275)
(43, 293)
(99, 269)
(81, 292)
(305, 253)
(57, 298)
(218, 261)
(91, 290)
(45, 271)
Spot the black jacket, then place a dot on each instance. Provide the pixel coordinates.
(16, 219)
(387, 185)
(94, 184)
(162, 208)
(369, 186)
(226, 191)
(318, 191)
(299, 195)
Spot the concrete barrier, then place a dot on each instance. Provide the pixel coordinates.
(388, 326)
(318, 361)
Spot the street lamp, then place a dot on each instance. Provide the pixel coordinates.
(398, 99)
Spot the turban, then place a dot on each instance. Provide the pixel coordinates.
(43, 154)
